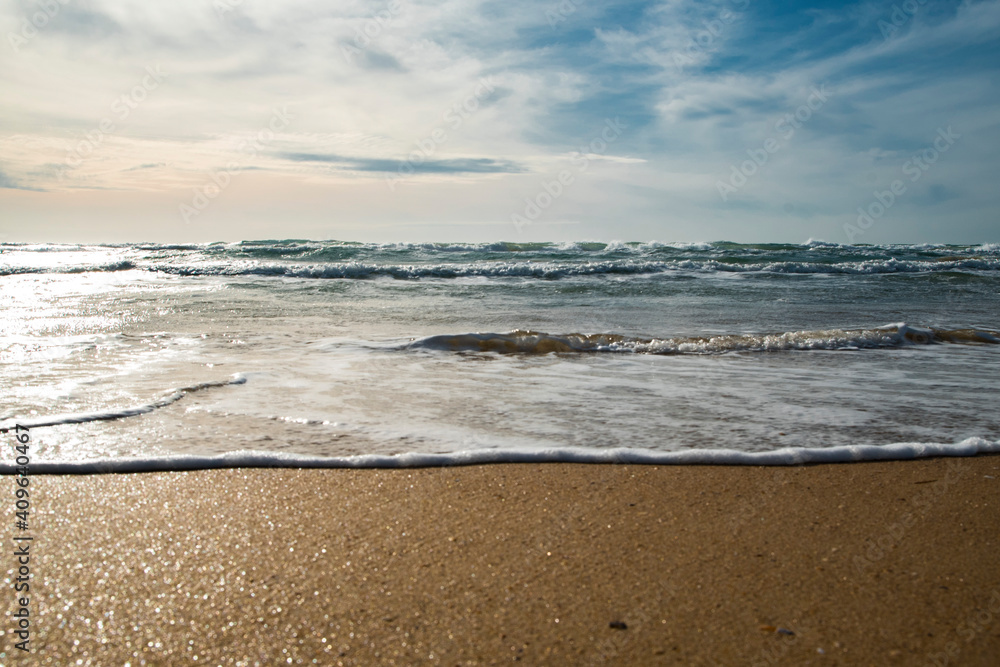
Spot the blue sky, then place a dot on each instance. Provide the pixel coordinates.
(744, 120)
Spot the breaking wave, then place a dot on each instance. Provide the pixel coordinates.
(531, 269)
(549, 261)
(169, 397)
(533, 342)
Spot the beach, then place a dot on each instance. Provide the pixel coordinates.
(475, 333)
(847, 564)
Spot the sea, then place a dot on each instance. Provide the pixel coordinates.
(145, 356)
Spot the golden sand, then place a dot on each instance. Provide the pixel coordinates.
(554, 564)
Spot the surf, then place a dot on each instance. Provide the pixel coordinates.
(533, 342)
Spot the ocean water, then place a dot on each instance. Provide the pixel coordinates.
(294, 352)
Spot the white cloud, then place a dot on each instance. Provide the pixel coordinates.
(689, 118)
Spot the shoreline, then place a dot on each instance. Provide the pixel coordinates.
(258, 460)
(560, 563)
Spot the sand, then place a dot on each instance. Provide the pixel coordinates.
(557, 564)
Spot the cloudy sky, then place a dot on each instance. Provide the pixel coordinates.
(744, 120)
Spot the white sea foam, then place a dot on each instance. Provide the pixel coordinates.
(169, 397)
(790, 456)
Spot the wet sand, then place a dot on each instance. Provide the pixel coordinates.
(553, 564)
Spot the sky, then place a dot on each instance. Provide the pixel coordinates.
(483, 120)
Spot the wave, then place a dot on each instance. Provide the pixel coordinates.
(297, 258)
(500, 246)
(170, 397)
(532, 342)
(346, 263)
(529, 269)
(789, 456)
(354, 270)
(124, 265)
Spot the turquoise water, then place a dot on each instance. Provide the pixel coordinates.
(349, 349)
